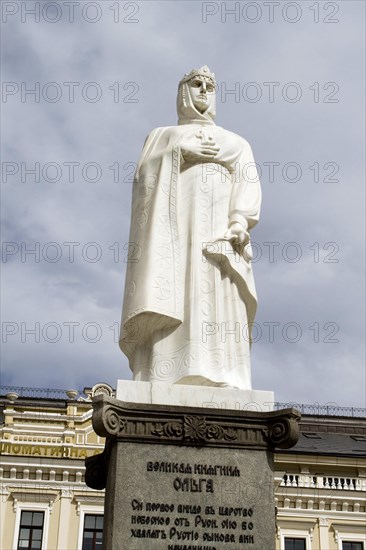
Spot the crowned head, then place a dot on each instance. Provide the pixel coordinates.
(196, 95)
(203, 73)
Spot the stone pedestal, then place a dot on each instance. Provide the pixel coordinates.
(187, 478)
(210, 397)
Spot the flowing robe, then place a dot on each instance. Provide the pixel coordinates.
(189, 295)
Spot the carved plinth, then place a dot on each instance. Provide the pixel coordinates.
(180, 478)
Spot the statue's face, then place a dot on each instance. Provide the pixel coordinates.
(202, 92)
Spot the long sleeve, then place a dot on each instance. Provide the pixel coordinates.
(245, 200)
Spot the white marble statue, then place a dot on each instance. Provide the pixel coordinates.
(189, 295)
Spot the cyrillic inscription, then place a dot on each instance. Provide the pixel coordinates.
(190, 526)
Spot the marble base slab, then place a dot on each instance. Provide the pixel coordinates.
(161, 393)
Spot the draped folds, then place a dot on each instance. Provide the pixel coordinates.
(189, 295)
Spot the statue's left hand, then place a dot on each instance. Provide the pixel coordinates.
(240, 240)
(237, 233)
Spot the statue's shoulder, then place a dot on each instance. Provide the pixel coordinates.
(162, 130)
(160, 137)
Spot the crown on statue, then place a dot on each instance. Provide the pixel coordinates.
(204, 72)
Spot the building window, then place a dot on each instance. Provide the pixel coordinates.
(93, 532)
(352, 545)
(31, 530)
(295, 544)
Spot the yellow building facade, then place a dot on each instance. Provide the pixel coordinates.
(45, 436)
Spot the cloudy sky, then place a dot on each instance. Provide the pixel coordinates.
(103, 74)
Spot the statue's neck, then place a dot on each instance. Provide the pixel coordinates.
(200, 121)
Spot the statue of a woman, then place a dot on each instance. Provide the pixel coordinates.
(189, 295)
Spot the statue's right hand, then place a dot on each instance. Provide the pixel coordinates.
(198, 151)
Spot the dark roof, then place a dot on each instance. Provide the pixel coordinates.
(331, 444)
(331, 436)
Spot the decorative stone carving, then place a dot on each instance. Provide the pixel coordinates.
(113, 418)
(195, 429)
(72, 394)
(186, 426)
(45, 496)
(96, 499)
(104, 389)
(284, 431)
(97, 389)
(169, 429)
(97, 469)
(115, 423)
